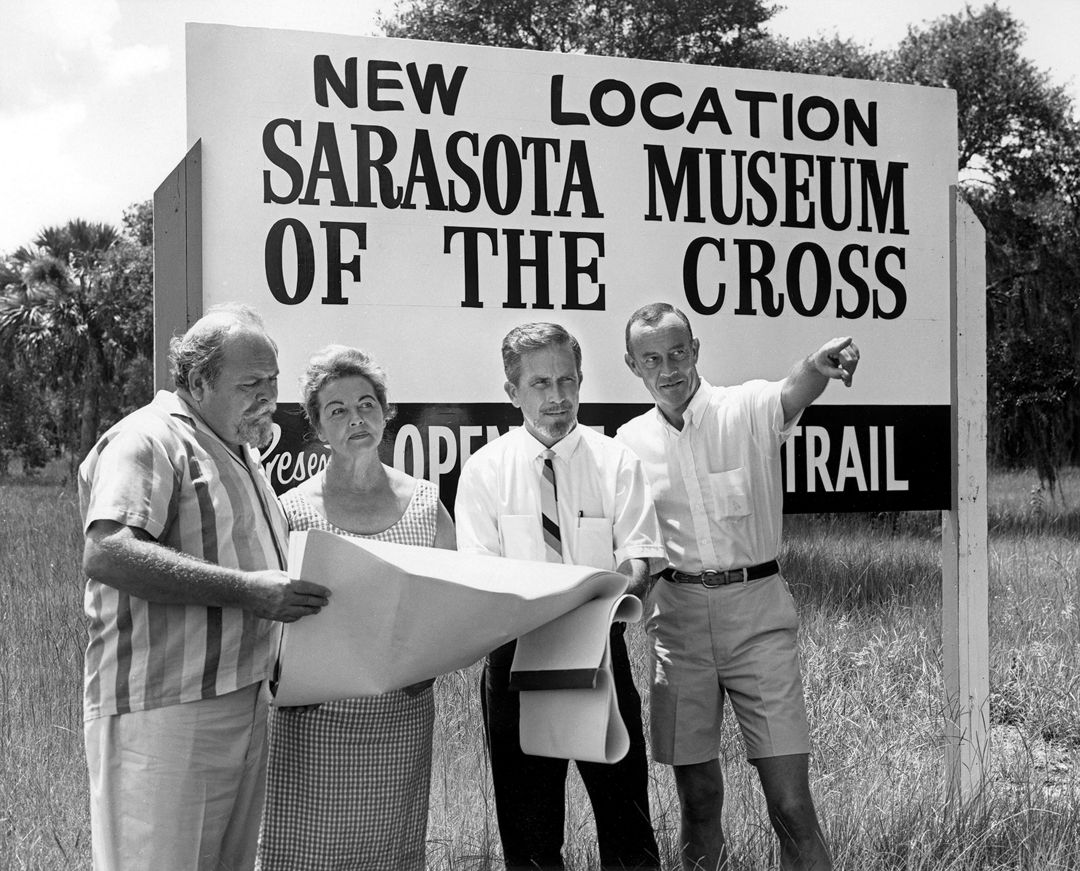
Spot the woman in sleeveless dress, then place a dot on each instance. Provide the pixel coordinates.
(348, 781)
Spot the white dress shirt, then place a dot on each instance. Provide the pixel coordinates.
(606, 515)
(716, 483)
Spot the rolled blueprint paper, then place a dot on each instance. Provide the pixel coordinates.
(569, 709)
(399, 614)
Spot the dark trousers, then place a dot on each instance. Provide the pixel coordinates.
(530, 790)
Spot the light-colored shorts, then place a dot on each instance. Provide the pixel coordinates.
(739, 639)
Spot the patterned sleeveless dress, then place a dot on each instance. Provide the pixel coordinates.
(347, 782)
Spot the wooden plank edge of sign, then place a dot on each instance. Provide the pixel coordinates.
(964, 562)
(177, 257)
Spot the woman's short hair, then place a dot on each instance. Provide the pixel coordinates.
(340, 361)
(201, 348)
(534, 337)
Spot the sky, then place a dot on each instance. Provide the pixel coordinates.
(92, 106)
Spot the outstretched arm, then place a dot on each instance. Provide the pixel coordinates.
(837, 358)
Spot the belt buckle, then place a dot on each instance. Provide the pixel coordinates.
(712, 574)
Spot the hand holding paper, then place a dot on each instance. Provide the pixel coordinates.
(402, 614)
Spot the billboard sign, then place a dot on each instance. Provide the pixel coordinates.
(419, 199)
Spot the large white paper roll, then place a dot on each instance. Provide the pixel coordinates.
(568, 704)
(400, 614)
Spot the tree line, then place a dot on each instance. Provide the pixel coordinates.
(76, 336)
(76, 303)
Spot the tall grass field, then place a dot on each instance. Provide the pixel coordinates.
(868, 590)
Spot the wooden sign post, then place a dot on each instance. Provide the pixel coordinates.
(964, 565)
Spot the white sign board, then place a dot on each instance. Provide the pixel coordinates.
(420, 199)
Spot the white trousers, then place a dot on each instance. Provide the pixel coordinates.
(179, 787)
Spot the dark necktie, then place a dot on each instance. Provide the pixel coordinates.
(549, 509)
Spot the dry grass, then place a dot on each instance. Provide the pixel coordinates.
(869, 595)
(44, 821)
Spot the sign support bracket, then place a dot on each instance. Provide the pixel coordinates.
(177, 258)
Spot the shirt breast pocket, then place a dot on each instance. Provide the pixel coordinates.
(593, 543)
(730, 492)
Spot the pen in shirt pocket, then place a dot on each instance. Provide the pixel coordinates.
(580, 514)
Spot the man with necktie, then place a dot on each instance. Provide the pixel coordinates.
(556, 491)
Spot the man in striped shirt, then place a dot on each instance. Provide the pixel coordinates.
(185, 557)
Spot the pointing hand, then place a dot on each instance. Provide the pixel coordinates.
(837, 358)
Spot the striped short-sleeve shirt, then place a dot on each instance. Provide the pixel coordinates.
(162, 470)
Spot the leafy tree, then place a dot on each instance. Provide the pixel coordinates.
(1033, 302)
(138, 223)
(1008, 110)
(828, 56)
(76, 310)
(720, 32)
(26, 426)
(1019, 159)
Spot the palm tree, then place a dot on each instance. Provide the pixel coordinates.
(72, 305)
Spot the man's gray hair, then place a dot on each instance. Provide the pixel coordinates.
(201, 348)
(534, 337)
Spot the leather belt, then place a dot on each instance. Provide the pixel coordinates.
(722, 578)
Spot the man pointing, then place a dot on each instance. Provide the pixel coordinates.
(721, 619)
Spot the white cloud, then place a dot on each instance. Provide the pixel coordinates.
(59, 49)
(80, 25)
(135, 61)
